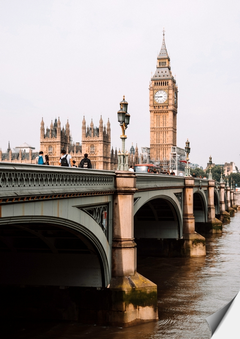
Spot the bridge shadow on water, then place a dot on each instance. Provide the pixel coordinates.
(23, 309)
(174, 276)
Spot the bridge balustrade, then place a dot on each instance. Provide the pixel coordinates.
(17, 180)
(148, 181)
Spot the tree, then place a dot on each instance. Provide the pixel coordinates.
(216, 172)
(198, 171)
(235, 177)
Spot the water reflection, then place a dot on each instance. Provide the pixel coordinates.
(189, 290)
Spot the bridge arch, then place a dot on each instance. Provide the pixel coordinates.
(158, 216)
(200, 206)
(82, 246)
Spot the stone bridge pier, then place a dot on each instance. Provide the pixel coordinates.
(194, 243)
(229, 202)
(214, 225)
(208, 206)
(233, 202)
(134, 298)
(224, 215)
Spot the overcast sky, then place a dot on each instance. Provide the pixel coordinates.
(71, 58)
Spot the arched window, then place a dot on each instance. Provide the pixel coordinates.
(92, 149)
(50, 149)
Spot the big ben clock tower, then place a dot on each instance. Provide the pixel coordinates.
(163, 101)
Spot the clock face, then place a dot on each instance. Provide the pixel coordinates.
(160, 97)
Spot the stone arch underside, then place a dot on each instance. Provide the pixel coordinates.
(48, 251)
(157, 219)
(199, 208)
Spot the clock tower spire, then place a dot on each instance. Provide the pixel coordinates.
(163, 109)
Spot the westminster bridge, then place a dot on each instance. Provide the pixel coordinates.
(74, 228)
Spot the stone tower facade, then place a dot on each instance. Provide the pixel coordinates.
(96, 142)
(163, 103)
(54, 139)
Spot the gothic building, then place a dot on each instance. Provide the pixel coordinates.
(133, 157)
(55, 138)
(163, 109)
(96, 141)
(19, 156)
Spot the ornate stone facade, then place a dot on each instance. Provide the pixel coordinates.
(163, 109)
(96, 141)
(55, 138)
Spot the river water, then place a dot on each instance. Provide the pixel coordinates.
(189, 290)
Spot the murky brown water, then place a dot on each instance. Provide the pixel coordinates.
(189, 290)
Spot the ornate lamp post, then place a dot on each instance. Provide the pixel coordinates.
(210, 167)
(123, 119)
(187, 150)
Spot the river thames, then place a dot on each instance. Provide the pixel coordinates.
(189, 290)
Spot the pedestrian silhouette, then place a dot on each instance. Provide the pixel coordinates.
(85, 162)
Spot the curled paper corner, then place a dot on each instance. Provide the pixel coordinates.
(217, 318)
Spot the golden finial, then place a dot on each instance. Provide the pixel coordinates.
(163, 32)
(124, 97)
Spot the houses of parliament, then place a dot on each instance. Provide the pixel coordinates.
(96, 140)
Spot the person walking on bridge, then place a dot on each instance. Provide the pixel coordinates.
(66, 159)
(39, 159)
(85, 162)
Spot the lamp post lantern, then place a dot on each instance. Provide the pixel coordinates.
(124, 120)
(187, 150)
(210, 172)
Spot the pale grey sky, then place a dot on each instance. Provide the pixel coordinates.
(71, 58)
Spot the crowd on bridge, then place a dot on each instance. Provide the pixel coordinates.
(64, 160)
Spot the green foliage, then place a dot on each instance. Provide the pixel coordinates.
(216, 172)
(198, 171)
(216, 175)
(235, 177)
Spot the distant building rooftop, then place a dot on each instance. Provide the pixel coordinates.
(24, 146)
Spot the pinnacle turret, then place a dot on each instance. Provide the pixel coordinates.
(59, 124)
(42, 129)
(163, 54)
(163, 69)
(101, 126)
(108, 126)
